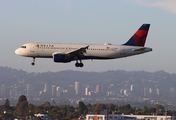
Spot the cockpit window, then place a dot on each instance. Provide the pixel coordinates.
(23, 46)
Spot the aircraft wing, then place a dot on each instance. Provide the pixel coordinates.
(77, 52)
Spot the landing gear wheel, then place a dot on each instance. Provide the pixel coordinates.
(81, 64)
(33, 61)
(77, 64)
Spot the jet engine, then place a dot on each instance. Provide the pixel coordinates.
(61, 58)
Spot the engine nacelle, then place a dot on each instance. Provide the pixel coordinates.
(61, 58)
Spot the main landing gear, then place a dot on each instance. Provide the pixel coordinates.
(33, 61)
(77, 64)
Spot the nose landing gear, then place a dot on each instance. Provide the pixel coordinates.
(33, 61)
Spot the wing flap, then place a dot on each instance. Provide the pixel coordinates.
(78, 52)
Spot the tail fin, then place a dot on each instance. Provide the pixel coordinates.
(139, 37)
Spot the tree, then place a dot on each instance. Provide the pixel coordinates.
(145, 110)
(152, 110)
(22, 106)
(38, 109)
(126, 109)
(46, 106)
(22, 109)
(82, 108)
(99, 108)
(55, 112)
(159, 109)
(63, 110)
(89, 107)
(110, 107)
(69, 116)
(7, 104)
(31, 108)
(22, 98)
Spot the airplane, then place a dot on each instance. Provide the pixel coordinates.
(63, 53)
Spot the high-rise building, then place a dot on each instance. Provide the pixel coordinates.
(126, 92)
(29, 90)
(86, 91)
(2, 89)
(146, 92)
(97, 90)
(172, 92)
(77, 88)
(45, 88)
(53, 90)
(157, 92)
(150, 90)
(121, 91)
(40, 93)
(58, 91)
(132, 88)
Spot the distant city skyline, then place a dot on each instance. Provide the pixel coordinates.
(70, 87)
(54, 93)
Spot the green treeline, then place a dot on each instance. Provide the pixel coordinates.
(24, 109)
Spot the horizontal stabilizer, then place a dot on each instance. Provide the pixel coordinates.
(139, 49)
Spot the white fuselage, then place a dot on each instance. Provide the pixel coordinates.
(94, 51)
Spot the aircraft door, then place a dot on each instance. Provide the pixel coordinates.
(32, 49)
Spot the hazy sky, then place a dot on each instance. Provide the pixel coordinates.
(88, 21)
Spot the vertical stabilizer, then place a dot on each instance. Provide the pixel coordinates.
(139, 37)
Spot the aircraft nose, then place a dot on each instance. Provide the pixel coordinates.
(17, 51)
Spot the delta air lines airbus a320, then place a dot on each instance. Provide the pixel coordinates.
(63, 53)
